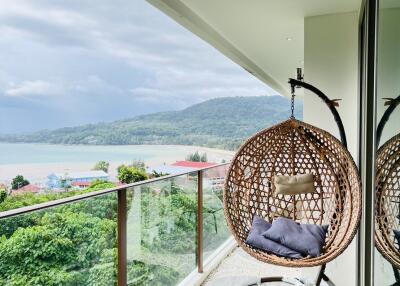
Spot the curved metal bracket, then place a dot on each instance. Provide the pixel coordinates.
(330, 103)
(393, 103)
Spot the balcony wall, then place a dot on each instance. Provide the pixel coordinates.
(331, 64)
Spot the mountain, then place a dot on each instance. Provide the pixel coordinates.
(220, 123)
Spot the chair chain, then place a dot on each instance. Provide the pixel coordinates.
(292, 105)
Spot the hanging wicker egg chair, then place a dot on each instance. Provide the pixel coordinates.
(289, 148)
(387, 202)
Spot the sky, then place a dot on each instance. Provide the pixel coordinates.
(67, 63)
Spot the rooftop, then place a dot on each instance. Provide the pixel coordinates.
(81, 184)
(27, 189)
(181, 167)
(168, 169)
(196, 165)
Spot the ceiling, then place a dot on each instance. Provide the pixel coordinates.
(266, 37)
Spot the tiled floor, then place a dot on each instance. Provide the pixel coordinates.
(240, 269)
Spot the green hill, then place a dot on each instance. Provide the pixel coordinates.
(220, 123)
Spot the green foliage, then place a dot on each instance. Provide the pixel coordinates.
(104, 206)
(75, 244)
(138, 164)
(103, 273)
(3, 195)
(129, 174)
(28, 199)
(220, 123)
(59, 250)
(196, 157)
(98, 185)
(143, 274)
(101, 166)
(19, 182)
(156, 174)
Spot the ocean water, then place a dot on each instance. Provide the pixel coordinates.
(11, 153)
(36, 161)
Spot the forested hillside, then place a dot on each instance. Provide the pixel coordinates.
(220, 123)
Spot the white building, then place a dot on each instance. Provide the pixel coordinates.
(62, 180)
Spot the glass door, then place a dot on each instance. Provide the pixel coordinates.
(387, 191)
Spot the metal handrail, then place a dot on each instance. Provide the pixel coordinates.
(122, 216)
(54, 203)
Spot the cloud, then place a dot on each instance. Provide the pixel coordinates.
(107, 60)
(37, 87)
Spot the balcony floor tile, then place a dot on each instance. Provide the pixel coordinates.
(239, 268)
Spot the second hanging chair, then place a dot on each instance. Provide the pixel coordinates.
(387, 199)
(289, 148)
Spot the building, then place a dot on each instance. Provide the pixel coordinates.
(80, 185)
(180, 167)
(79, 179)
(33, 189)
(193, 165)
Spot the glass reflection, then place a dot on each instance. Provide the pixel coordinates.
(387, 201)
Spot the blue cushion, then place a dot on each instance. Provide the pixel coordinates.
(307, 239)
(256, 240)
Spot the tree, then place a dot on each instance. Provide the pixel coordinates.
(19, 182)
(3, 195)
(101, 166)
(138, 164)
(196, 157)
(129, 174)
(156, 174)
(60, 250)
(193, 157)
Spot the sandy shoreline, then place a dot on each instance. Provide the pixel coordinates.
(37, 172)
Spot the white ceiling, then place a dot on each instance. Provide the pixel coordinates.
(254, 33)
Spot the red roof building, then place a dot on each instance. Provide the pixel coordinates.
(194, 165)
(81, 184)
(27, 189)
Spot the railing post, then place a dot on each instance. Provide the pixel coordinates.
(122, 224)
(199, 249)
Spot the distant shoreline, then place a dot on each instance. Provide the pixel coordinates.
(113, 145)
(37, 172)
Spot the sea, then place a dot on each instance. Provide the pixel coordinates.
(37, 161)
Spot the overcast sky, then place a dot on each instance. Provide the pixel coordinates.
(65, 63)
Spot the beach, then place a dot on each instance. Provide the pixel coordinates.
(54, 160)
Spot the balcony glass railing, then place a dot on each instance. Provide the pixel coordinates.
(215, 231)
(161, 230)
(154, 232)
